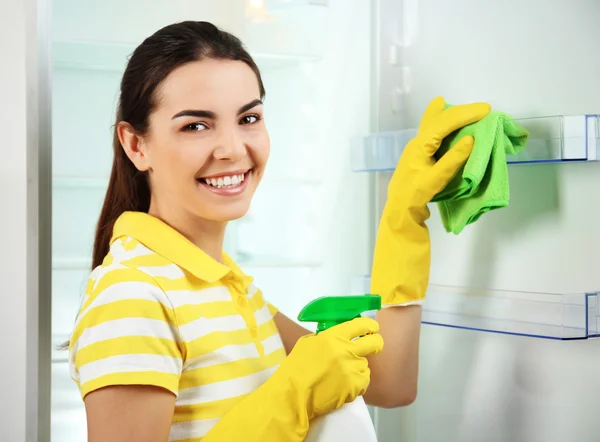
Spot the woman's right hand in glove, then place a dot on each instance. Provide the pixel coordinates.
(321, 373)
(330, 369)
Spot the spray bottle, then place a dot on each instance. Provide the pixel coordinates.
(351, 422)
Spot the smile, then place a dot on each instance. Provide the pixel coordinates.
(227, 181)
(226, 185)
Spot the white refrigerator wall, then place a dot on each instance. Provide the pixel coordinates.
(532, 58)
(15, 194)
(309, 213)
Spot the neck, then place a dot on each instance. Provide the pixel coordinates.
(205, 234)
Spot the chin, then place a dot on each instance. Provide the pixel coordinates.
(230, 213)
(233, 216)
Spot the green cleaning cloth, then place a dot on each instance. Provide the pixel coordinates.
(482, 184)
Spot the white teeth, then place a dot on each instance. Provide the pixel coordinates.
(225, 181)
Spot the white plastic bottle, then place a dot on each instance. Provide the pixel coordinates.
(349, 423)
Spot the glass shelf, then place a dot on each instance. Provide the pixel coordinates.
(553, 139)
(539, 315)
(112, 57)
(243, 260)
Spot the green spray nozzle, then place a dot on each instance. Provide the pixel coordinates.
(333, 310)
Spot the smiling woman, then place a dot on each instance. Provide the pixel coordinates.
(172, 340)
(208, 125)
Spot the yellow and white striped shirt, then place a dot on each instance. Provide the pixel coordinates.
(159, 311)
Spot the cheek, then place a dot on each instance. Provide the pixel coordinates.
(261, 147)
(177, 159)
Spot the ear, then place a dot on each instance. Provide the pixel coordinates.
(133, 145)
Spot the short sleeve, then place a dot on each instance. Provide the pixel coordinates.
(126, 334)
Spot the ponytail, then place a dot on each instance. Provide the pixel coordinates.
(128, 190)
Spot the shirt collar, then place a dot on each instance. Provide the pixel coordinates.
(166, 241)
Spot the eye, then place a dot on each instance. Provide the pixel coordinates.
(194, 127)
(249, 119)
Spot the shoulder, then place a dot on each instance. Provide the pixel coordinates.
(121, 288)
(126, 326)
(130, 253)
(131, 263)
(122, 276)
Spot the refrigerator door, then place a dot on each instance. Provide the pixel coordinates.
(310, 214)
(529, 59)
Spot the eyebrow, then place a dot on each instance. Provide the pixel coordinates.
(210, 114)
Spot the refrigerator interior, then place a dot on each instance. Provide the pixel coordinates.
(309, 212)
(527, 274)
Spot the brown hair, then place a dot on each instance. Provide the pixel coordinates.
(151, 62)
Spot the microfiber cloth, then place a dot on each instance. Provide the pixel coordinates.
(482, 184)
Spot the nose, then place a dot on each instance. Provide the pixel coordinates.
(230, 146)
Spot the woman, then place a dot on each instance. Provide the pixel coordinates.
(173, 341)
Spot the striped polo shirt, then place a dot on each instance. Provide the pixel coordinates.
(159, 311)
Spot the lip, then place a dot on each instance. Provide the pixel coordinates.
(223, 191)
(228, 173)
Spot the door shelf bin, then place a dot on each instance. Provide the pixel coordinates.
(553, 139)
(539, 315)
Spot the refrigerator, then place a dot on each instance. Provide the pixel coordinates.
(508, 348)
(508, 351)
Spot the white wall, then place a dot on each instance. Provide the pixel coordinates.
(533, 58)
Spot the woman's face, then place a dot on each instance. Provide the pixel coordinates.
(207, 144)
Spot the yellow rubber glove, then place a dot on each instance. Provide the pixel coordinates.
(321, 373)
(400, 271)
